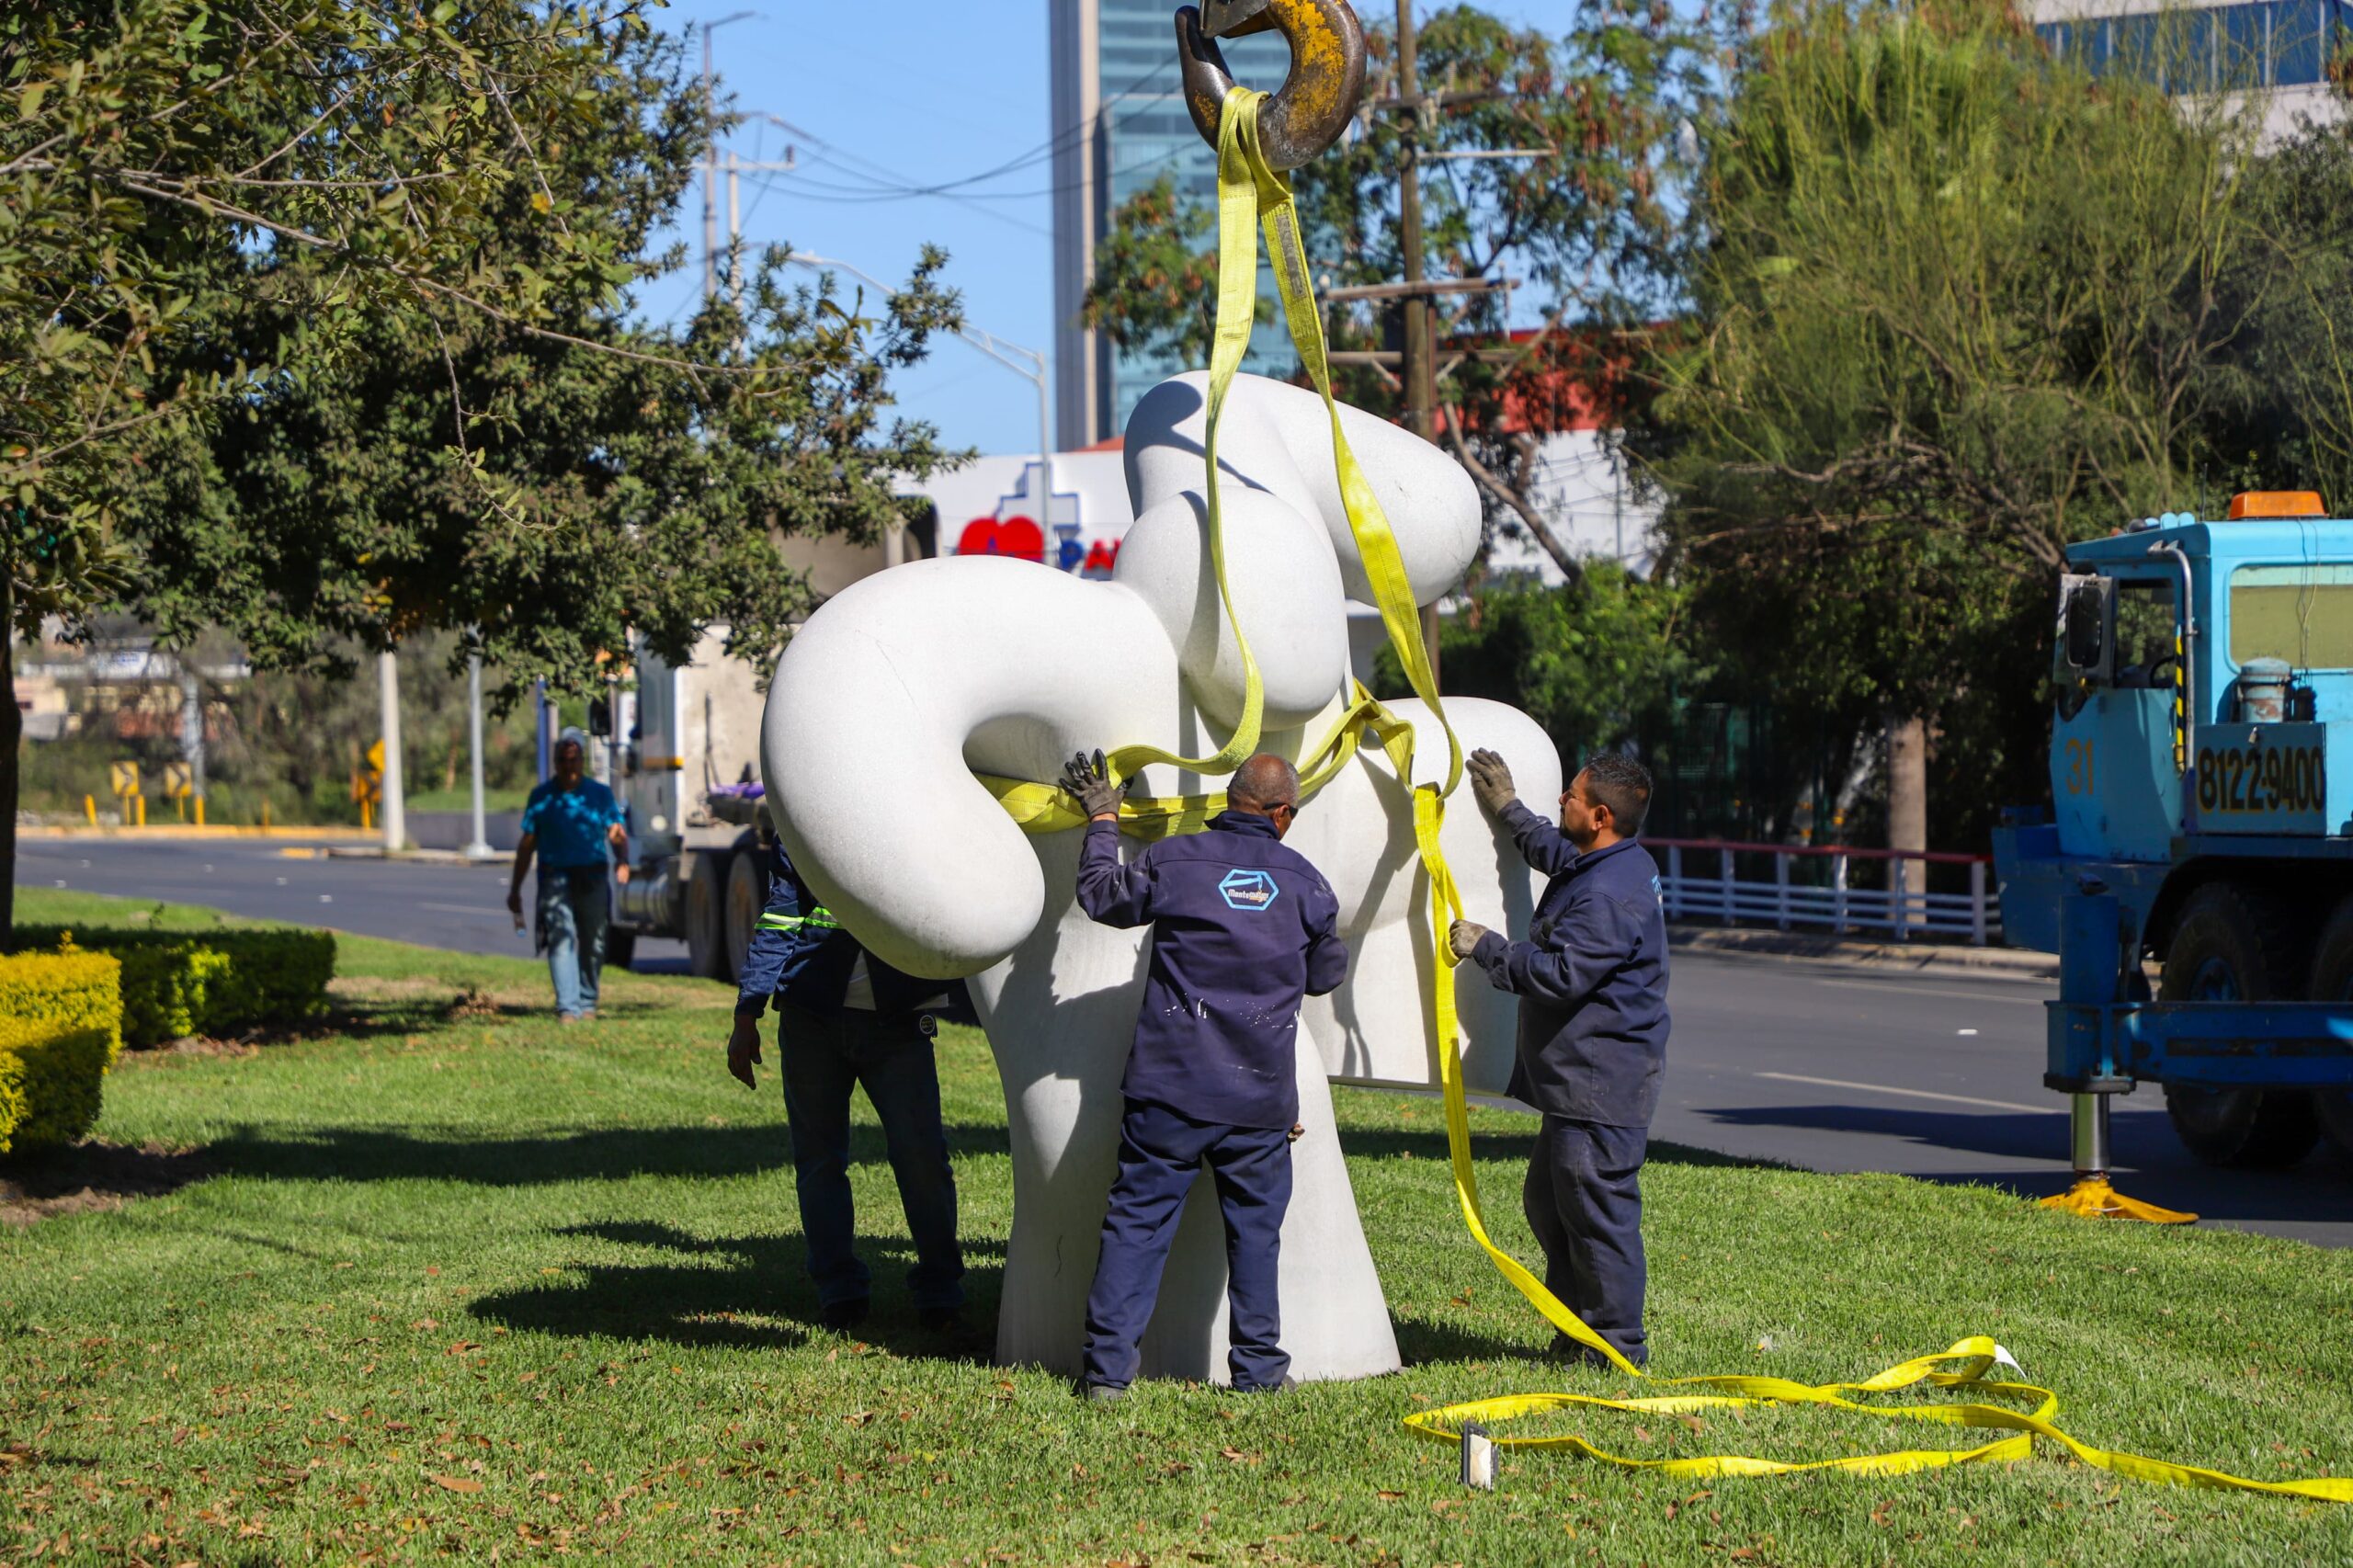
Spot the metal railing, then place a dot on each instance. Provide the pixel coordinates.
(1813, 885)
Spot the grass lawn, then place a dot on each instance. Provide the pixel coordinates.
(463, 1283)
(461, 799)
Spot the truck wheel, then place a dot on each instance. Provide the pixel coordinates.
(2332, 981)
(746, 896)
(2234, 943)
(620, 946)
(707, 916)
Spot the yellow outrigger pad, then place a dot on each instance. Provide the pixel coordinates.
(2094, 1200)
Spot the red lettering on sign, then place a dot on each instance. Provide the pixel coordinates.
(1009, 536)
(1102, 555)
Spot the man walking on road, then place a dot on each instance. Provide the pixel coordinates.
(845, 1019)
(573, 824)
(1592, 984)
(1243, 929)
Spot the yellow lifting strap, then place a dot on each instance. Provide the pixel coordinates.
(1248, 190)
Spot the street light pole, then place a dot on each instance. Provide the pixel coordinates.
(388, 675)
(478, 846)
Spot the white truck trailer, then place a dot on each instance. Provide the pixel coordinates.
(699, 872)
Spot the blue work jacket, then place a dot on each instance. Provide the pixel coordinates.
(801, 954)
(1243, 929)
(1591, 979)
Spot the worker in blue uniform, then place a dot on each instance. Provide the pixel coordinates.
(1243, 930)
(845, 1020)
(1591, 979)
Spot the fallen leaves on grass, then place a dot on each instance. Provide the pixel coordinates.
(458, 1483)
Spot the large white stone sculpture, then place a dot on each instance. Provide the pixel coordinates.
(901, 689)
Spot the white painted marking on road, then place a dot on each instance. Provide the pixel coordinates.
(1964, 1031)
(1930, 990)
(327, 898)
(60, 884)
(461, 909)
(281, 882)
(1911, 1093)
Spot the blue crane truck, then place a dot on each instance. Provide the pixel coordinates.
(2202, 817)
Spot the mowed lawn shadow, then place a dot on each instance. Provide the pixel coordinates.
(745, 1292)
(602, 1154)
(1516, 1148)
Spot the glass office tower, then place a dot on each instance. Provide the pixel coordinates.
(1120, 124)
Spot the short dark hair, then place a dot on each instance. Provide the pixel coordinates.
(1623, 785)
(1262, 783)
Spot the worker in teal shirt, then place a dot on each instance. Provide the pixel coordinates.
(573, 824)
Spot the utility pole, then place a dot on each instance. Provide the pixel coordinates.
(736, 169)
(711, 160)
(1420, 373)
(387, 673)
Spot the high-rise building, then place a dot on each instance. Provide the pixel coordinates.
(2277, 52)
(1120, 124)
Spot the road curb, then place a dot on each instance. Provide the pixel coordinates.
(1986, 963)
(189, 830)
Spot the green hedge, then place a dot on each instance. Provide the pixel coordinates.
(58, 1037)
(205, 982)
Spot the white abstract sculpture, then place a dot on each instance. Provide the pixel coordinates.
(901, 689)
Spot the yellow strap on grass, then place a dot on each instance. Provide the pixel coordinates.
(1247, 186)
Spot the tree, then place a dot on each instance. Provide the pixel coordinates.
(1587, 227)
(238, 240)
(1956, 306)
(1590, 662)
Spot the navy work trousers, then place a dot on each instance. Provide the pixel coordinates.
(1160, 1153)
(822, 1058)
(1584, 1199)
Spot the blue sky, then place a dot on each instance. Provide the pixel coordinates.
(929, 91)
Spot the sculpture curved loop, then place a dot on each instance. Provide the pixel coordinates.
(1316, 100)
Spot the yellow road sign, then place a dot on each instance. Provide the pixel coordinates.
(180, 781)
(376, 759)
(122, 778)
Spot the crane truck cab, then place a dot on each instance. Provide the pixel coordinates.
(2201, 818)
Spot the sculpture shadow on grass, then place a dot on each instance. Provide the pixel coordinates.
(601, 1154)
(745, 1292)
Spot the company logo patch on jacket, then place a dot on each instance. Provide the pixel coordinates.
(1245, 889)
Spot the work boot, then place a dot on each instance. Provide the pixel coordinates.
(939, 1320)
(1104, 1394)
(845, 1314)
(1288, 1383)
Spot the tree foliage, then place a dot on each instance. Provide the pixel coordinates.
(315, 323)
(1591, 662)
(1957, 306)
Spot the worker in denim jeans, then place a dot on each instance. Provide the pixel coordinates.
(573, 824)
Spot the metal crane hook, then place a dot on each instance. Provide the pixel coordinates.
(1315, 103)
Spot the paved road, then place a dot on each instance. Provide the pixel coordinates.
(1827, 1066)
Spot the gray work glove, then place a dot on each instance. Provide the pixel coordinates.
(1463, 937)
(1090, 780)
(1491, 782)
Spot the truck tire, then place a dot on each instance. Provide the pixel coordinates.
(747, 894)
(620, 946)
(2234, 943)
(707, 916)
(2332, 981)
